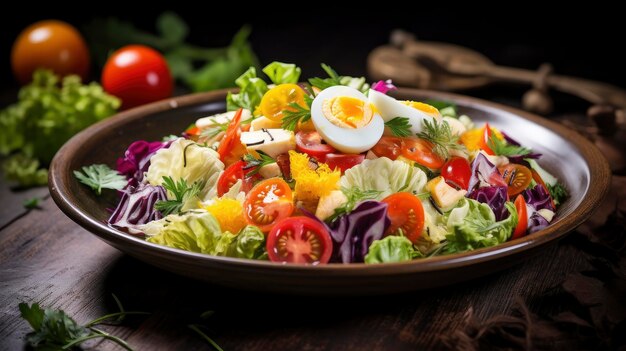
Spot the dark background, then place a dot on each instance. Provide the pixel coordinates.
(577, 41)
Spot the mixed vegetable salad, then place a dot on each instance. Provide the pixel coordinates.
(332, 170)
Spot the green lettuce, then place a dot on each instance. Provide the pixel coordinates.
(385, 176)
(280, 73)
(472, 225)
(251, 91)
(199, 231)
(393, 248)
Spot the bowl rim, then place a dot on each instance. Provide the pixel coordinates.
(600, 178)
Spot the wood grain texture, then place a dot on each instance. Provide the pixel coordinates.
(46, 257)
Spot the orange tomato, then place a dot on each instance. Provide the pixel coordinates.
(277, 99)
(50, 44)
(516, 177)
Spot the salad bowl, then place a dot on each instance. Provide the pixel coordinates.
(576, 162)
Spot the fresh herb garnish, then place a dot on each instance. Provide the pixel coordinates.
(181, 192)
(399, 126)
(53, 329)
(354, 196)
(440, 134)
(214, 129)
(255, 164)
(502, 148)
(100, 177)
(31, 203)
(558, 192)
(297, 114)
(323, 83)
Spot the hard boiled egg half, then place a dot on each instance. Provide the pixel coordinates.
(390, 108)
(346, 120)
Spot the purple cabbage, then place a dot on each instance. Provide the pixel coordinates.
(136, 159)
(353, 233)
(538, 198)
(137, 207)
(484, 173)
(384, 86)
(519, 159)
(495, 197)
(536, 222)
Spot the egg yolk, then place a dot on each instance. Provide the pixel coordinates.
(426, 108)
(347, 112)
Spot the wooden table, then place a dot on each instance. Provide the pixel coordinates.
(47, 258)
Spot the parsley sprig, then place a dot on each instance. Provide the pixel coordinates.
(181, 192)
(297, 114)
(255, 164)
(502, 148)
(323, 83)
(399, 126)
(440, 134)
(99, 177)
(354, 196)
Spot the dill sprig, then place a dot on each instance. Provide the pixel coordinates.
(440, 135)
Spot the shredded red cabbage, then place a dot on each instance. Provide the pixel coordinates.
(353, 233)
(484, 173)
(538, 198)
(495, 197)
(537, 222)
(136, 159)
(137, 207)
(384, 86)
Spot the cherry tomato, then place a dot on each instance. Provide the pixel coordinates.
(516, 177)
(484, 141)
(231, 149)
(457, 172)
(406, 213)
(50, 44)
(299, 240)
(344, 161)
(311, 143)
(522, 217)
(232, 174)
(267, 203)
(421, 151)
(277, 99)
(137, 75)
(389, 147)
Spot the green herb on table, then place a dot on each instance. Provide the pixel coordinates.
(255, 164)
(181, 193)
(297, 114)
(399, 126)
(502, 148)
(31, 203)
(440, 135)
(53, 329)
(99, 177)
(48, 112)
(198, 329)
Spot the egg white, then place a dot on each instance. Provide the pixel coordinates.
(390, 108)
(347, 140)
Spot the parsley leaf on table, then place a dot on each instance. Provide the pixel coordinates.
(100, 177)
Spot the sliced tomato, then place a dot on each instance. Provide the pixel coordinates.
(516, 177)
(311, 143)
(232, 174)
(299, 240)
(457, 172)
(231, 149)
(522, 215)
(421, 151)
(484, 141)
(406, 213)
(344, 161)
(389, 147)
(267, 203)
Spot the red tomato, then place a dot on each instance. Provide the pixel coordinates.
(49, 44)
(484, 141)
(457, 172)
(516, 177)
(407, 213)
(389, 147)
(421, 151)
(137, 75)
(299, 240)
(267, 203)
(311, 143)
(343, 161)
(231, 149)
(232, 174)
(522, 214)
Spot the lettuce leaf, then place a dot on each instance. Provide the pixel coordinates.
(280, 73)
(473, 225)
(385, 176)
(251, 91)
(393, 248)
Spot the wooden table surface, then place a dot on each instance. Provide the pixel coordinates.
(47, 258)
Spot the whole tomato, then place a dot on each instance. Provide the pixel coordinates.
(137, 75)
(50, 44)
